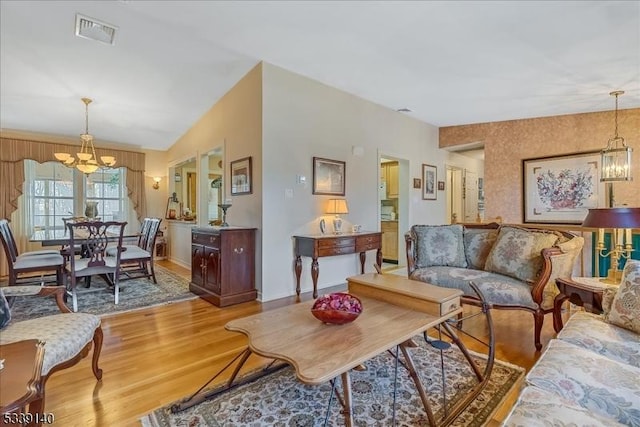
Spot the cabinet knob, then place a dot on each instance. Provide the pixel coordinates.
(238, 250)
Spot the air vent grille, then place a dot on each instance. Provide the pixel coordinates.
(93, 29)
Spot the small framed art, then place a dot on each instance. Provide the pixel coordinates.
(429, 181)
(241, 181)
(417, 183)
(328, 177)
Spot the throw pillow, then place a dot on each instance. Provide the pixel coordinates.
(5, 311)
(625, 307)
(516, 252)
(440, 245)
(477, 245)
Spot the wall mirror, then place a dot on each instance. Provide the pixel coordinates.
(213, 192)
(184, 178)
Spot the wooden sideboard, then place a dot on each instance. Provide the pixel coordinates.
(223, 264)
(317, 246)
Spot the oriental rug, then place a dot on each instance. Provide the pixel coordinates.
(98, 298)
(279, 399)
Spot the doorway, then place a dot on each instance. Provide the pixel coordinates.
(393, 208)
(455, 196)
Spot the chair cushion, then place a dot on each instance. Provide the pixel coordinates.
(477, 245)
(625, 307)
(516, 252)
(496, 288)
(83, 263)
(5, 311)
(590, 331)
(28, 262)
(132, 252)
(42, 252)
(439, 245)
(64, 335)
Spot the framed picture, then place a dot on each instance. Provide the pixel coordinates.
(440, 185)
(417, 183)
(429, 181)
(561, 189)
(328, 177)
(241, 180)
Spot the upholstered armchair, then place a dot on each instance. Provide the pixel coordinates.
(67, 336)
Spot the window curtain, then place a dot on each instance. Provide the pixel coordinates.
(13, 152)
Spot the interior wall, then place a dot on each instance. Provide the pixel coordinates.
(507, 143)
(303, 119)
(235, 123)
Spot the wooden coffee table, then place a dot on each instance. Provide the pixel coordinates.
(19, 381)
(395, 309)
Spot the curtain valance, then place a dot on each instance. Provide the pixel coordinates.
(13, 153)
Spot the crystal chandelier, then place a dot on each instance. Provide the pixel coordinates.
(616, 157)
(87, 161)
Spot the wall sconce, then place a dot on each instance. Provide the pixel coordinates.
(337, 207)
(156, 182)
(621, 221)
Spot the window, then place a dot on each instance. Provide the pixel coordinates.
(58, 192)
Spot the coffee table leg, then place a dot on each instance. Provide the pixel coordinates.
(346, 391)
(416, 380)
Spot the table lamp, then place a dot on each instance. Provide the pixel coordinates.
(337, 207)
(621, 221)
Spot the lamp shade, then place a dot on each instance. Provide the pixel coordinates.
(613, 218)
(337, 206)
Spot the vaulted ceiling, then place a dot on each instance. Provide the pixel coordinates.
(450, 62)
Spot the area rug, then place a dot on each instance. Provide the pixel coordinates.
(98, 299)
(278, 399)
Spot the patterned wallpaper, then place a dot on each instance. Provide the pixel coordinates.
(507, 143)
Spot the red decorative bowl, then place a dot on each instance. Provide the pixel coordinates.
(337, 308)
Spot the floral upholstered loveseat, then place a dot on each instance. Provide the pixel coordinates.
(514, 267)
(590, 374)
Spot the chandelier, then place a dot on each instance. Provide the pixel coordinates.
(616, 157)
(87, 161)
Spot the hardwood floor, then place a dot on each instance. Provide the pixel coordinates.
(155, 356)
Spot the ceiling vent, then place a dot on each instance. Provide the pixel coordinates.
(93, 29)
(403, 110)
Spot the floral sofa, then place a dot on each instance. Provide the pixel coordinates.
(590, 374)
(514, 267)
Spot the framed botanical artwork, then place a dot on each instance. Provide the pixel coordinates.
(328, 177)
(561, 189)
(429, 182)
(241, 180)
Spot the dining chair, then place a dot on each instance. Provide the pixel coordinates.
(137, 261)
(94, 236)
(42, 261)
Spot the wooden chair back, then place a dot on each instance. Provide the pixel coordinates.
(94, 236)
(8, 242)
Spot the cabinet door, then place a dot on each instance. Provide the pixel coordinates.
(392, 180)
(212, 260)
(197, 253)
(390, 240)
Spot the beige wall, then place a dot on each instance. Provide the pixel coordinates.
(508, 143)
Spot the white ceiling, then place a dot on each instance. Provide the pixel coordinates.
(451, 63)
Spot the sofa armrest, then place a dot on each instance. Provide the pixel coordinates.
(537, 288)
(58, 293)
(410, 249)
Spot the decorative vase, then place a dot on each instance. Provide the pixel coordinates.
(91, 210)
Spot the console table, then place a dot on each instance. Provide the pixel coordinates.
(316, 246)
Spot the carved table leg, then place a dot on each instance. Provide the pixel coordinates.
(557, 311)
(298, 268)
(363, 258)
(315, 271)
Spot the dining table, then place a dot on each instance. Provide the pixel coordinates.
(60, 237)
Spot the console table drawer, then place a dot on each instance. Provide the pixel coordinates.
(338, 241)
(367, 243)
(336, 250)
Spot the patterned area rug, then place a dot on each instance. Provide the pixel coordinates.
(98, 299)
(278, 399)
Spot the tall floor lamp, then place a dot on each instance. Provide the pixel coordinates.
(621, 221)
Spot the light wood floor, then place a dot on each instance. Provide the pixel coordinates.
(156, 356)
